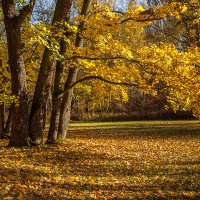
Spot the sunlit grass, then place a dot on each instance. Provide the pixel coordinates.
(114, 160)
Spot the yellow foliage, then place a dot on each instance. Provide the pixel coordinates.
(115, 48)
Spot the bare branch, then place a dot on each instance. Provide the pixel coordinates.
(141, 20)
(97, 78)
(109, 82)
(137, 62)
(106, 58)
(118, 12)
(25, 11)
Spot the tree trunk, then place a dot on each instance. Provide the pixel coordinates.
(56, 103)
(2, 112)
(7, 129)
(62, 106)
(65, 110)
(13, 22)
(43, 86)
(20, 128)
(42, 89)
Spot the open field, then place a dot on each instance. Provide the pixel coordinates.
(115, 160)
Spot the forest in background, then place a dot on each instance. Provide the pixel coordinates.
(101, 57)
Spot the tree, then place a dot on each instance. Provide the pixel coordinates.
(62, 105)
(13, 20)
(43, 85)
(65, 109)
(2, 119)
(182, 31)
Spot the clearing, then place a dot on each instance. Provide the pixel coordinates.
(114, 160)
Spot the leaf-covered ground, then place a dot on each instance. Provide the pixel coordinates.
(121, 160)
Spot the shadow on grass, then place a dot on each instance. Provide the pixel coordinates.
(162, 129)
(139, 181)
(85, 170)
(128, 133)
(143, 183)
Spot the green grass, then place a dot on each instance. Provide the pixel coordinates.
(148, 127)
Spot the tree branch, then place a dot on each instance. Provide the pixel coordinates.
(96, 78)
(106, 58)
(148, 15)
(109, 82)
(141, 20)
(25, 11)
(118, 12)
(114, 58)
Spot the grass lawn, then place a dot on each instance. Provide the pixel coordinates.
(114, 160)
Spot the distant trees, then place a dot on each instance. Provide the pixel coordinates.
(182, 31)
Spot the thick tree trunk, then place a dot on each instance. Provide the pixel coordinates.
(65, 110)
(42, 89)
(20, 128)
(43, 86)
(62, 106)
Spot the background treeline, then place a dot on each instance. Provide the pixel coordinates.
(139, 106)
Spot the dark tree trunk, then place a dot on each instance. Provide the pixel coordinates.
(62, 106)
(7, 129)
(13, 24)
(2, 112)
(41, 95)
(65, 110)
(20, 129)
(43, 86)
(56, 103)
(2, 116)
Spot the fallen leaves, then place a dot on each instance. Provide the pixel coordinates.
(135, 160)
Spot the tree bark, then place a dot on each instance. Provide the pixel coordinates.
(56, 102)
(59, 108)
(43, 86)
(2, 112)
(13, 25)
(7, 130)
(65, 110)
(62, 105)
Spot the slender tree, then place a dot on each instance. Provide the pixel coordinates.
(8, 126)
(65, 110)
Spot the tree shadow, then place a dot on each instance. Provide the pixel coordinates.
(77, 162)
(75, 170)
